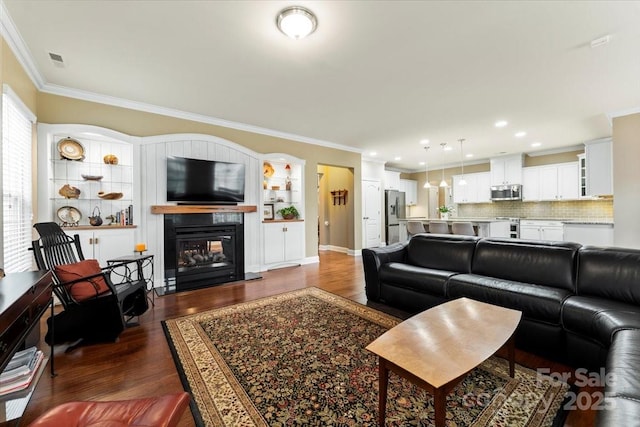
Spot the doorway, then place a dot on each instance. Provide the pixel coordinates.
(335, 208)
(371, 213)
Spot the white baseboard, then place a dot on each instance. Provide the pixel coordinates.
(351, 252)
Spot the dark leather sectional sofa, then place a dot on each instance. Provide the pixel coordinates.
(581, 305)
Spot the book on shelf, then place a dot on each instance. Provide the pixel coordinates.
(24, 367)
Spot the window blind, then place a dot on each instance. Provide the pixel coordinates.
(17, 210)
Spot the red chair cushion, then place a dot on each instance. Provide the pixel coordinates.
(83, 289)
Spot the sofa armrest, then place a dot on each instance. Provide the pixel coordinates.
(373, 258)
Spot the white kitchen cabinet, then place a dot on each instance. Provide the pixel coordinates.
(506, 170)
(477, 189)
(530, 184)
(599, 167)
(391, 180)
(284, 243)
(104, 243)
(582, 171)
(541, 230)
(569, 181)
(499, 229)
(589, 234)
(551, 182)
(410, 188)
(403, 233)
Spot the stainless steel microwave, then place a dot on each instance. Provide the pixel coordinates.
(506, 192)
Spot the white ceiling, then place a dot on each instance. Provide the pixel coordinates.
(376, 75)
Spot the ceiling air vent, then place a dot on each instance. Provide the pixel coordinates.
(56, 59)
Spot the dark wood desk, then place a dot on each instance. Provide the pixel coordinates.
(24, 298)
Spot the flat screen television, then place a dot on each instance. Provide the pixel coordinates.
(204, 181)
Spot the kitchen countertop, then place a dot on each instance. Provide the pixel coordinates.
(586, 221)
(478, 220)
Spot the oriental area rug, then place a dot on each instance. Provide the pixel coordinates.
(299, 358)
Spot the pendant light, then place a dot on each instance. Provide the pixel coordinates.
(443, 183)
(462, 180)
(426, 168)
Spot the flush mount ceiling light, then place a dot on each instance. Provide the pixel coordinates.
(296, 22)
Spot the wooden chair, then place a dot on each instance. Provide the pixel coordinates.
(464, 228)
(98, 304)
(439, 227)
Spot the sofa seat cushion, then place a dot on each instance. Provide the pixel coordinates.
(622, 382)
(599, 318)
(416, 278)
(536, 302)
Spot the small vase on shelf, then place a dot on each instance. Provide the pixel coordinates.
(444, 215)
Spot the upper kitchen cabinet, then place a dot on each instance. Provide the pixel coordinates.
(410, 188)
(476, 190)
(599, 167)
(391, 180)
(551, 182)
(506, 170)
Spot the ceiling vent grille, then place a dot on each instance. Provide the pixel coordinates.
(56, 59)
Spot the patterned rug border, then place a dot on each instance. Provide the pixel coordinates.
(175, 328)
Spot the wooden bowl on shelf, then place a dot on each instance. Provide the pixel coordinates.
(275, 187)
(110, 196)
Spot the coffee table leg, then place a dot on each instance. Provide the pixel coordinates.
(383, 379)
(439, 407)
(511, 351)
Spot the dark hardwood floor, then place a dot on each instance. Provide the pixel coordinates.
(140, 363)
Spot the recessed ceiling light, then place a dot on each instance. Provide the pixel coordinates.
(373, 153)
(500, 123)
(520, 134)
(448, 148)
(469, 155)
(421, 163)
(424, 141)
(296, 22)
(396, 158)
(536, 144)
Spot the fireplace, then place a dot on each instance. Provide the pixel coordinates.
(203, 250)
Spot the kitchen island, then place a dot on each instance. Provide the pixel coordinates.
(586, 231)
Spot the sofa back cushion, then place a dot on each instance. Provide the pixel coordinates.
(530, 261)
(442, 252)
(612, 273)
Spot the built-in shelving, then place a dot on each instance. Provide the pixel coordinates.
(194, 209)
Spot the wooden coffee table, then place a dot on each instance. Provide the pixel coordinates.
(438, 347)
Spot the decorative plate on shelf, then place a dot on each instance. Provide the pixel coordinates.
(70, 149)
(92, 177)
(69, 215)
(267, 170)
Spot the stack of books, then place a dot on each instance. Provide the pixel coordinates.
(20, 371)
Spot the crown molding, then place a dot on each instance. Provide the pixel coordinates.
(622, 113)
(185, 115)
(19, 48)
(556, 150)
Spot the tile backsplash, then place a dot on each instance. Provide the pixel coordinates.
(577, 209)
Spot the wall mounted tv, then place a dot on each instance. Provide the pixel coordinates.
(204, 181)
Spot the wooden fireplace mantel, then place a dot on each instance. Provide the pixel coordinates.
(194, 209)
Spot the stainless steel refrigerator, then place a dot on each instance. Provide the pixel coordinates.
(395, 210)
